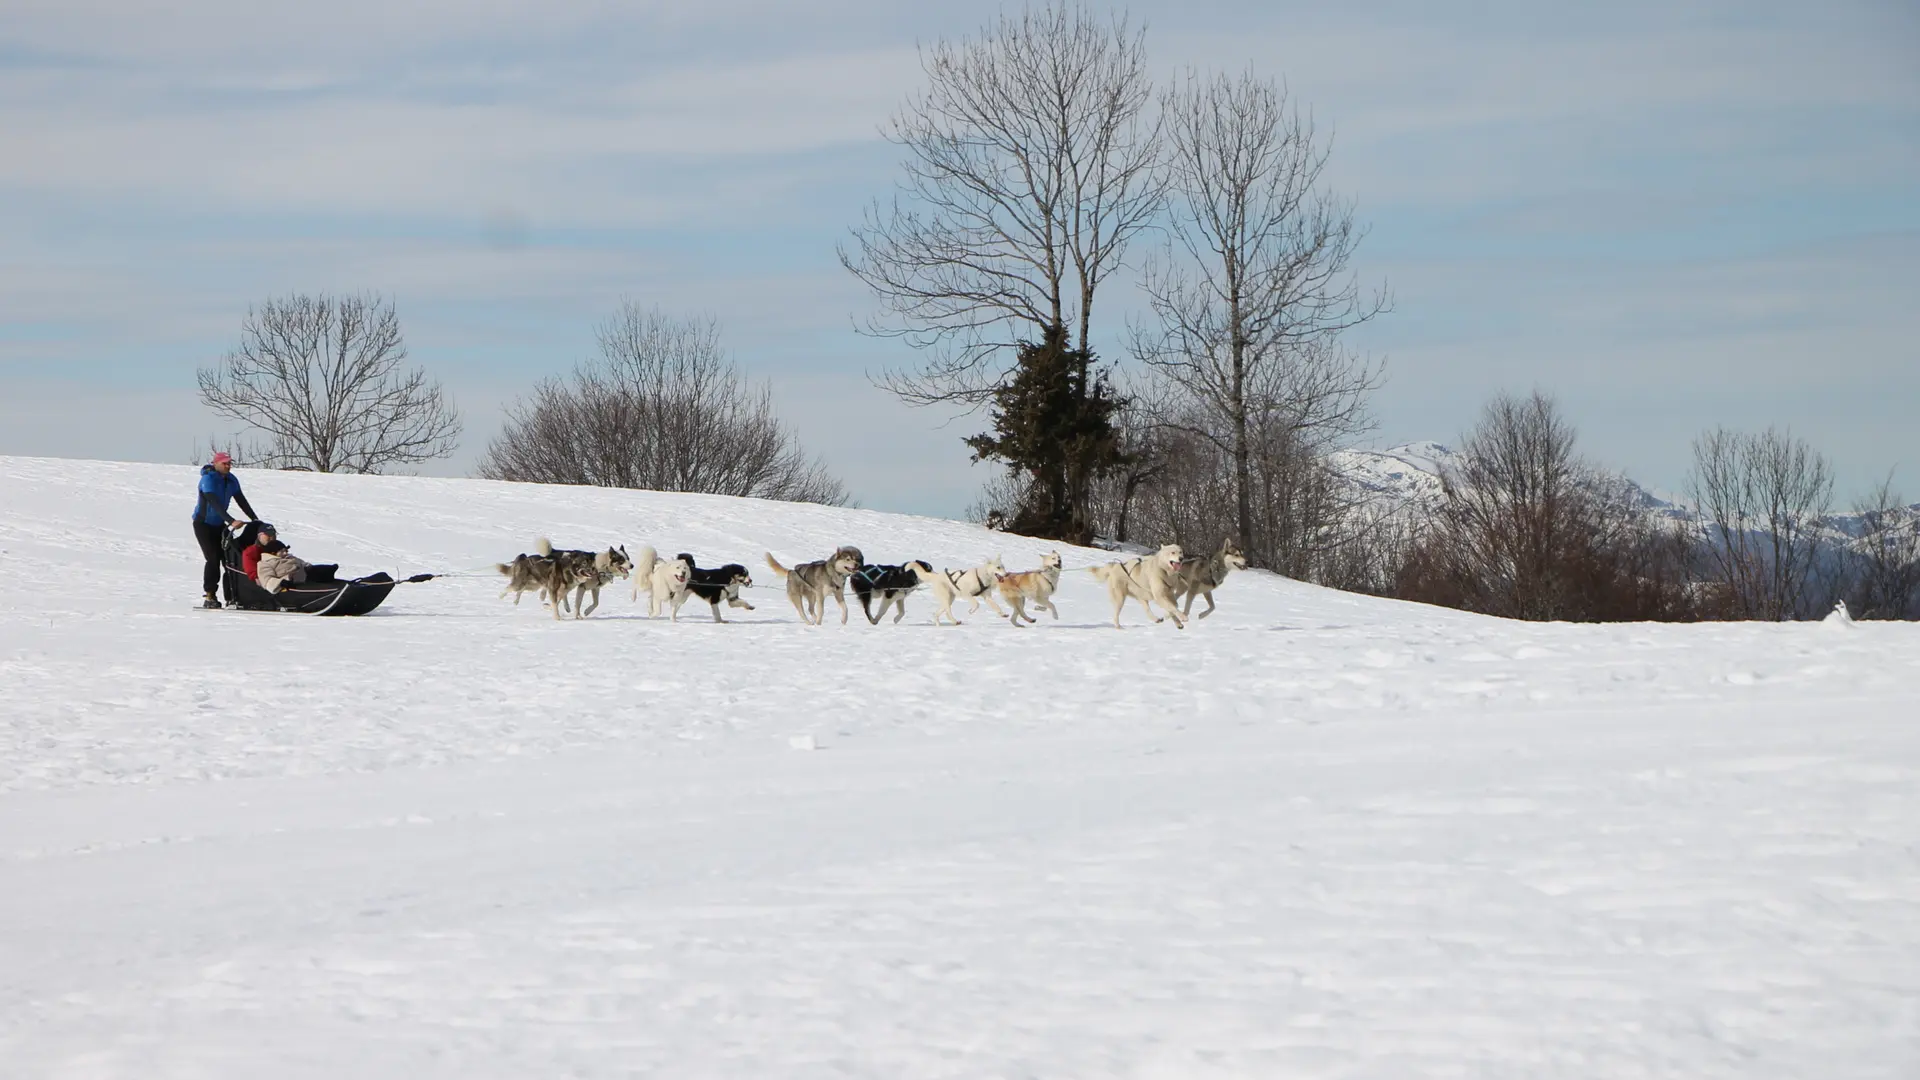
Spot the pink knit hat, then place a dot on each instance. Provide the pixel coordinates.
(221, 457)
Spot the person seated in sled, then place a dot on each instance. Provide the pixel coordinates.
(250, 555)
(274, 566)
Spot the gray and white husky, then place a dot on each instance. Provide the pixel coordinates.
(1199, 577)
(550, 575)
(810, 583)
(600, 568)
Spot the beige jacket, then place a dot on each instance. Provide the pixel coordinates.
(277, 570)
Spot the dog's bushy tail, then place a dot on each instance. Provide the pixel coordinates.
(643, 570)
(503, 568)
(775, 563)
(545, 548)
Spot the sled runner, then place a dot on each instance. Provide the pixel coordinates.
(322, 594)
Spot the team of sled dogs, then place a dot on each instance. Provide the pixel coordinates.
(567, 579)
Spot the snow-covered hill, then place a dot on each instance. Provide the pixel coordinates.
(1316, 834)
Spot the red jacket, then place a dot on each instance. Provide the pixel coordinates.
(250, 560)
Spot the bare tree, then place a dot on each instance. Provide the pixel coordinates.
(1144, 450)
(1762, 496)
(1253, 290)
(1526, 529)
(1367, 549)
(1506, 514)
(1179, 486)
(1885, 556)
(662, 409)
(246, 453)
(320, 378)
(1030, 164)
(1002, 499)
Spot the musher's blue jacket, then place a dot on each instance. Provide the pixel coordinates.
(215, 491)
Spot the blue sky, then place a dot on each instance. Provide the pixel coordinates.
(1669, 215)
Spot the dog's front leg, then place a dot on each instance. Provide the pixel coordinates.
(1173, 612)
(1148, 607)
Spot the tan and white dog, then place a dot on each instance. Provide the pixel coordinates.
(1199, 577)
(1035, 585)
(810, 583)
(664, 579)
(1148, 579)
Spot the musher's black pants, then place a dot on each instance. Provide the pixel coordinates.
(209, 537)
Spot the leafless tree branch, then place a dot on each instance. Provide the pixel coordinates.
(1762, 496)
(1030, 165)
(320, 378)
(1252, 293)
(662, 409)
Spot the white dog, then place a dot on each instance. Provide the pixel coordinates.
(947, 586)
(1149, 579)
(665, 580)
(978, 583)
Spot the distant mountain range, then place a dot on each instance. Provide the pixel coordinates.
(1408, 476)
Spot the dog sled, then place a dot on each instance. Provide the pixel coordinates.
(323, 593)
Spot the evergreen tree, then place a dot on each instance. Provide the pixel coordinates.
(1053, 423)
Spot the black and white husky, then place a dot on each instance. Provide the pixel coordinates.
(716, 584)
(891, 584)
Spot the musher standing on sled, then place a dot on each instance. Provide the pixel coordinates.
(210, 517)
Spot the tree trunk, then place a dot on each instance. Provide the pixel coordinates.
(1242, 452)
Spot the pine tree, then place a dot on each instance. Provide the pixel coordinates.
(1053, 422)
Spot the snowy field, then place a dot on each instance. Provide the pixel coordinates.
(1315, 835)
